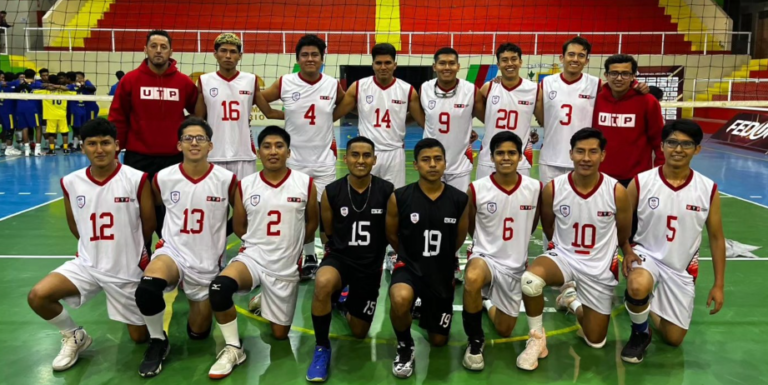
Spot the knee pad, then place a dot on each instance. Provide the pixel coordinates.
(220, 293)
(149, 295)
(636, 302)
(598, 345)
(198, 336)
(533, 285)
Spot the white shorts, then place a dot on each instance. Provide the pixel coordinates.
(278, 296)
(241, 168)
(547, 173)
(592, 290)
(193, 283)
(121, 296)
(673, 292)
(484, 170)
(460, 181)
(505, 290)
(322, 176)
(390, 166)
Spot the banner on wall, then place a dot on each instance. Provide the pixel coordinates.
(746, 130)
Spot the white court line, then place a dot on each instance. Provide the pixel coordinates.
(745, 200)
(50, 193)
(25, 193)
(531, 256)
(29, 209)
(755, 196)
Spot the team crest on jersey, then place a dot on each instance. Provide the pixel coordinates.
(369, 99)
(415, 217)
(491, 207)
(255, 199)
(81, 201)
(565, 210)
(344, 211)
(552, 95)
(296, 96)
(175, 196)
(432, 104)
(495, 99)
(214, 92)
(653, 203)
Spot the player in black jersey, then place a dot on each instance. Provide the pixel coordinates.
(353, 210)
(426, 223)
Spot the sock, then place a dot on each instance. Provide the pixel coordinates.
(26, 146)
(487, 304)
(536, 323)
(574, 305)
(309, 249)
(52, 147)
(473, 326)
(63, 322)
(322, 325)
(66, 146)
(155, 325)
(230, 333)
(639, 320)
(404, 337)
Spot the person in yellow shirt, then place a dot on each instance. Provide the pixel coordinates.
(55, 112)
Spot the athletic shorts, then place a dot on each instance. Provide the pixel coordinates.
(278, 295)
(547, 173)
(193, 283)
(594, 289)
(484, 170)
(92, 111)
(505, 290)
(363, 288)
(241, 168)
(322, 176)
(673, 292)
(390, 166)
(121, 296)
(7, 121)
(27, 120)
(58, 126)
(460, 181)
(78, 116)
(436, 312)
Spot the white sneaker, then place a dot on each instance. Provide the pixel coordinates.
(564, 300)
(27, 151)
(474, 361)
(535, 348)
(72, 344)
(228, 358)
(37, 151)
(10, 151)
(254, 305)
(404, 362)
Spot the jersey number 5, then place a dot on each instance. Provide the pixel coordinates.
(670, 219)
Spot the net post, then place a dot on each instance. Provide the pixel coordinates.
(730, 89)
(493, 46)
(326, 42)
(705, 43)
(749, 43)
(284, 43)
(26, 39)
(621, 35)
(535, 44)
(113, 40)
(198, 41)
(368, 42)
(242, 42)
(69, 34)
(663, 39)
(452, 40)
(410, 44)
(693, 109)
(5, 40)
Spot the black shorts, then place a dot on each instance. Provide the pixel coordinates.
(436, 312)
(151, 164)
(363, 288)
(632, 233)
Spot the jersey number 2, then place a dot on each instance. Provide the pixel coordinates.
(107, 222)
(274, 222)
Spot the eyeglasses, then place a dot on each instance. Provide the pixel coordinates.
(199, 138)
(624, 75)
(686, 145)
(445, 95)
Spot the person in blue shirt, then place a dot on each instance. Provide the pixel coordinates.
(77, 113)
(7, 110)
(87, 88)
(43, 75)
(27, 115)
(119, 75)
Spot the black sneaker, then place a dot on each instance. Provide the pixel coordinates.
(309, 267)
(66, 151)
(51, 153)
(152, 364)
(634, 350)
(402, 366)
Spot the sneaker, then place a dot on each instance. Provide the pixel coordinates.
(535, 348)
(389, 261)
(416, 311)
(51, 153)
(318, 369)
(254, 305)
(228, 358)
(66, 151)
(473, 356)
(309, 267)
(404, 362)
(634, 350)
(38, 152)
(27, 151)
(72, 344)
(10, 151)
(564, 300)
(152, 364)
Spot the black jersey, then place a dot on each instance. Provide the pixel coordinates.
(359, 236)
(427, 234)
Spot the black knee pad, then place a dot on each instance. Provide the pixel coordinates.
(149, 295)
(636, 302)
(220, 293)
(198, 336)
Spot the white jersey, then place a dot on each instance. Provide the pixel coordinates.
(509, 109)
(504, 220)
(670, 219)
(382, 112)
(568, 107)
(585, 225)
(228, 104)
(276, 221)
(108, 220)
(449, 120)
(309, 119)
(195, 224)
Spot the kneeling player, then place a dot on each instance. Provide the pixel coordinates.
(673, 205)
(590, 216)
(195, 194)
(275, 211)
(426, 223)
(354, 211)
(110, 211)
(503, 213)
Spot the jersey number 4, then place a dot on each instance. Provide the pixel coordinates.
(310, 115)
(231, 111)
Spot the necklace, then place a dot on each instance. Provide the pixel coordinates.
(349, 192)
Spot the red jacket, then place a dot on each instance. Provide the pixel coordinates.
(149, 108)
(632, 126)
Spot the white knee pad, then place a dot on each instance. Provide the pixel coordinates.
(533, 285)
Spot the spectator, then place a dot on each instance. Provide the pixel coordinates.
(657, 93)
(3, 21)
(119, 75)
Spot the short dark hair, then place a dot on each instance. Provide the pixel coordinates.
(98, 127)
(3, 13)
(53, 79)
(578, 40)
(508, 47)
(119, 74)
(425, 144)
(276, 131)
(360, 139)
(30, 73)
(195, 121)
(61, 74)
(71, 76)
(685, 126)
(588, 133)
(446, 51)
(382, 49)
(43, 71)
(311, 40)
(503, 137)
(657, 92)
(159, 32)
(621, 59)
(80, 73)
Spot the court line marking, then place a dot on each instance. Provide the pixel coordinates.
(30, 209)
(734, 154)
(742, 199)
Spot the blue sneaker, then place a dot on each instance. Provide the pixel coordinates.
(318, 369)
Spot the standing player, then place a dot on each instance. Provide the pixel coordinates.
(589, 215)
(195, 194)
(426, 223)
(27, 115)
(503, 213)
(354, 211)
(91, 108)
(110, 211)
(673, 205)
(275, 211)
(508, 106)
(384, 103)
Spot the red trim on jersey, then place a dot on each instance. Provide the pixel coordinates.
(449, 89)
(228, 80)
(279, 86)
(519, 83)
(490, 85)
(193, 180)
(474, 194)
(141, 186)
(383, 88)
(502, 189)
(233, 184)
(154, 179)
(66, 193)
(105, 181)
(312, 83)
(410, 92)
(712, 195)
(285, 178)
(599, 85)
(200, 82)
(553, 190)
(673, 188)
(582, 252)
(240, 188)
(591, 192)
(309, 189)
(562, 77)
(637, 187)
(357, 92)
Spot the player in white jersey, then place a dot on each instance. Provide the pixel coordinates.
(197, 196)
(382, 103)
(507, 105)
(503, 213)
(673, 205)
(225, 99)
(110, 211)
(588, 216)
(275, 211)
